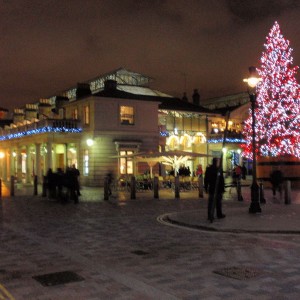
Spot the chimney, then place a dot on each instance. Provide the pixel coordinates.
(31, 111)
(185, 98)
(18, 115)
(83, 89)
(110, 85)
(60, 101)
(196, 97)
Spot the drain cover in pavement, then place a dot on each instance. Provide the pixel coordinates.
(139, 252)
(58, 278)
(241, 273)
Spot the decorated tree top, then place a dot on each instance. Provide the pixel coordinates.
(277, 109)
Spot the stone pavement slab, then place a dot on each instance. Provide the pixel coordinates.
(121, 251)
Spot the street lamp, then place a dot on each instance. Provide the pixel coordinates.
(252, 81)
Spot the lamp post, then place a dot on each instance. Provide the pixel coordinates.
(252, 82)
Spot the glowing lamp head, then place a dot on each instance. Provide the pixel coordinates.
(253, 80)
(1, 154)
(89, 142)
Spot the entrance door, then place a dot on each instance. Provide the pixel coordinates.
(60, 161)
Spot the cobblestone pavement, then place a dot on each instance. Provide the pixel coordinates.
(119, 249)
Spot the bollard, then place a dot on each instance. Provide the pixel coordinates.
(35, 185)
(239, 190)
(44, 187)
(106, 189)
(155, 188)
(0, 188)
(200, 187)
(177, 186)
(12, 185)
(261, 193)
(132, 188)
(287, 192)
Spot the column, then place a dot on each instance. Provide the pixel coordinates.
(28, 165)
(19, 164)
(49, 157)
(12, 163)
(66, 158)
(5, 164)
(38, 161)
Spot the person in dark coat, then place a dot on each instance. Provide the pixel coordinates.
(244, 172)
(51, 184)
(276, 178)
(76, 174)
(210, 180)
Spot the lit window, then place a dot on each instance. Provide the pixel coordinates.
(75, 114)
(126, 163)
(127, 115)
(86, 163)
(86, 116)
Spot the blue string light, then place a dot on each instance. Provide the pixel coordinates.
(164, 133)
(228, 140)
(45, 129)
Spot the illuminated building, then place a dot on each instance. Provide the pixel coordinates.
(97, 125)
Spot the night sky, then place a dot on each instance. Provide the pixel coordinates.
(48, 46)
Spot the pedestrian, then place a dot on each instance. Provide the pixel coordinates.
(76, 173)
(110, 179)
(276, 178)
(51, 184)
(199, 171)
(244, 172)
(215, 187)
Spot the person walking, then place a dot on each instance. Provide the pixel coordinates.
(215, 187)
(199, 171)
(276, 178)
(244, 172)
(76, 174)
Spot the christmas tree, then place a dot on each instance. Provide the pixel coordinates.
(277, 108)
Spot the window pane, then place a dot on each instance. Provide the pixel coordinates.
(126, 163)
(127, 115)
(86, 115)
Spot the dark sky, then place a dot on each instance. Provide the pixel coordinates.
(48, 46)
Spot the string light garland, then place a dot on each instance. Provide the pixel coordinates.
(227, 140)
(44, 129)
(278, 102)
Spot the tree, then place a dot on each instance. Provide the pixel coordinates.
(277, 109)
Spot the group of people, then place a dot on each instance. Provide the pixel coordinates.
(56, 181)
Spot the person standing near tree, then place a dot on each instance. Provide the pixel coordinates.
(276, 178)
(214, 185)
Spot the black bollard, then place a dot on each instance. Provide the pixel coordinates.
(12, 185)
(200, 187)
(177, 187)
(44, 186)
(106, 189)
(35, 185)
(239, 190)
(261, 193)
(132, 188)
(155, 188)
(287, 192)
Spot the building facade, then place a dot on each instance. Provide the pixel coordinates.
(100, 124)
